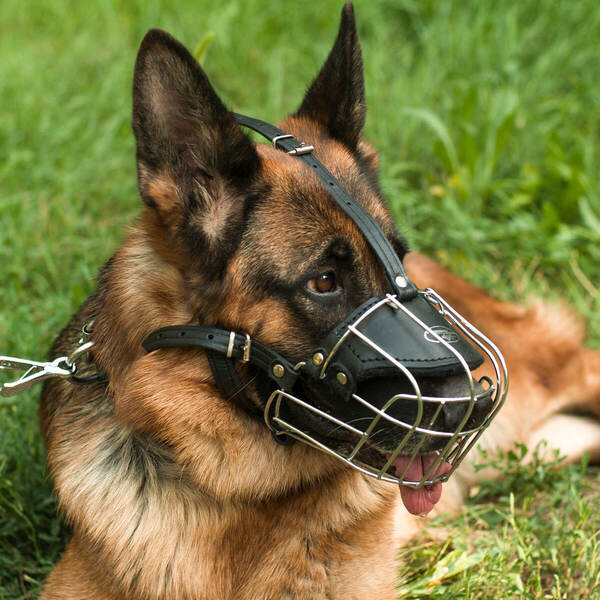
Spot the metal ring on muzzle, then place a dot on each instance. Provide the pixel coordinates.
(414, 419)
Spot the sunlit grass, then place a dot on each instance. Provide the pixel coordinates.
(532, 534)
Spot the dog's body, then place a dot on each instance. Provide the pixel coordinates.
(173, 492)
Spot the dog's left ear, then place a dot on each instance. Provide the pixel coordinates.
(191, 154)
(336, 98)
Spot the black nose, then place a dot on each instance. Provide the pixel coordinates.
(454, 411)
(444, 390)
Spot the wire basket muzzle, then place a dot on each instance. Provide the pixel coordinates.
(392, 388)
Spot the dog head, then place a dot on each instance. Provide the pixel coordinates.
(257, 245)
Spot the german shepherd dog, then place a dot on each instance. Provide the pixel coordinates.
(172, 491)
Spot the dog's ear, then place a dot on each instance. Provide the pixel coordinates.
(336, 98)
(190, 152)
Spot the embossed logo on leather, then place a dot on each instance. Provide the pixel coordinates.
(448, 335)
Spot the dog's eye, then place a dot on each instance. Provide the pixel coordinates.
(325, 283)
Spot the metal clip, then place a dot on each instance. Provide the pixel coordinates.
(81, 350)
(247, 344)
(35, 372)
(302, 149)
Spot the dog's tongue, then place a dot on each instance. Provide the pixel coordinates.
(420, 501)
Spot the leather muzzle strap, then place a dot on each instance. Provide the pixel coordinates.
(221, 347)
(397, 277)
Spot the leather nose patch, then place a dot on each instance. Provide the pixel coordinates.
(399, 333)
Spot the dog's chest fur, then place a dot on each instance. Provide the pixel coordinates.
(150, 534)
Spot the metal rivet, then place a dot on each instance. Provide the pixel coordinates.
(342, 378)
(318, 358)
(278, 370)
(401, 281)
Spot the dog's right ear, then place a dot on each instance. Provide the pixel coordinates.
(191, 154)
(336, 97)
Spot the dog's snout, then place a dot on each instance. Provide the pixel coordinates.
(457, 392)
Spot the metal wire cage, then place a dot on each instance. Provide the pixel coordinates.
(426, 409)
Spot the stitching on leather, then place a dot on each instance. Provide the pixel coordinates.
(353, 317)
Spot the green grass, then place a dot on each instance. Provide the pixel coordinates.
(486, 116)
(511, 541)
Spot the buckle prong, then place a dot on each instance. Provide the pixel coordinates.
(302, 149)
(247, 344)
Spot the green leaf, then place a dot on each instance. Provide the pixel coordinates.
(443, 135)
(589, 217)
(203, 45)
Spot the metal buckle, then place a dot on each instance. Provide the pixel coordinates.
(280, 137)
(302, 149)
(247, 344)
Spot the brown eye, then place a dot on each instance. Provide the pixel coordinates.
(325, 283)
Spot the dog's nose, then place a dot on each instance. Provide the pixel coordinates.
(455, 409)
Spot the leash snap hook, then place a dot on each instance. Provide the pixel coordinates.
(35, 372)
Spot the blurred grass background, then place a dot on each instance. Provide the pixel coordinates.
(486, 115)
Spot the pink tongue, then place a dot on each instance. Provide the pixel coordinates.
(420, 501)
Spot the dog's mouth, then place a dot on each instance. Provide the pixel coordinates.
(416, 500)
(416, 452)
(423, 429)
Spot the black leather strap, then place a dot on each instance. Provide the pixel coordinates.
(220, 341)
(397, 277)
(229, 383)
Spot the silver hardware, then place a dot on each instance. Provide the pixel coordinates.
(35, 372)
(458, 442)
(342, 378)
(301, 149)
(401, 281)
(87, 328)
(280, 137)
(81, 350)
(230, 345)
(298, 151)
(278, 370)
(247, 344)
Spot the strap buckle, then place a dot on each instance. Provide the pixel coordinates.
(245, 350)
(303, 148)
(247, 344)
(280, 137)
